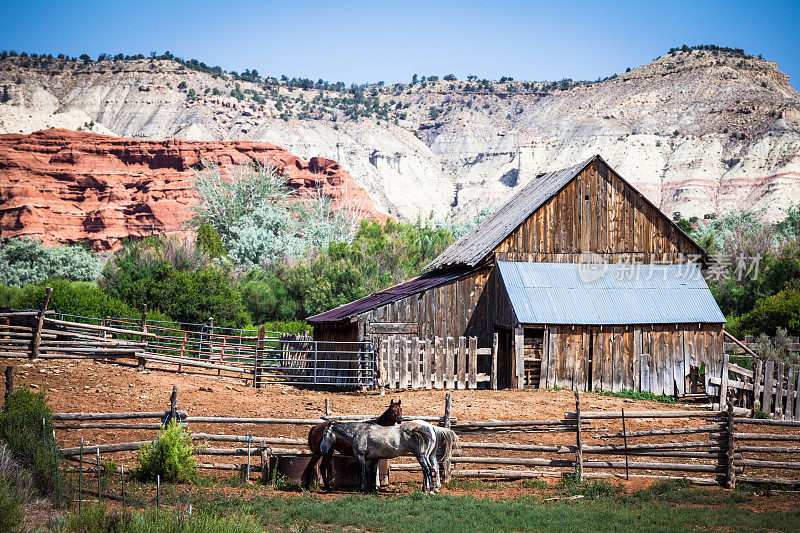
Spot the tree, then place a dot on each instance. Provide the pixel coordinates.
(450, 77)
(85, 58)
(182, 85)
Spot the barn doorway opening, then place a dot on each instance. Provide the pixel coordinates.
(532, 356)
(591, 360)
(505, 357)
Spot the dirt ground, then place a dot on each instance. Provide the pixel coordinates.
(81, 386)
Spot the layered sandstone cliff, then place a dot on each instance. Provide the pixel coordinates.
(698, 132)
(66, 186)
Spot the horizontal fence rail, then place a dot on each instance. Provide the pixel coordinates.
(702, 446)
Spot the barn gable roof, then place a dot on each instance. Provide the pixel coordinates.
(476, 244)
(392, 294)
(608, 294)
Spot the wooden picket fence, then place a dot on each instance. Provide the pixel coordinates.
(771, 388)
(441, 363)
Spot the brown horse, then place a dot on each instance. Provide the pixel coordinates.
(393, 415)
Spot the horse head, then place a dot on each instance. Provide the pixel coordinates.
(395, 412)
(328, 441)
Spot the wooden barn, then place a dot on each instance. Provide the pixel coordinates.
(578, 279)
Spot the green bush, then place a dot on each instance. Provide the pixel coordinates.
(779, 311)
(11, 512)
(25, 261)
(74, 298)
(171, 457)
(177, 278)
(21, 428)
(8, 295)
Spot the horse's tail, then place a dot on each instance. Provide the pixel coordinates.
(450, 444)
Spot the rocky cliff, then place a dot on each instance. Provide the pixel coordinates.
(66, 186)
(697, 131)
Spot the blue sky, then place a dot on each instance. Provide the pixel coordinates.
(372, 41)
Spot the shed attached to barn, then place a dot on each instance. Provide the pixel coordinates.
(580, 281)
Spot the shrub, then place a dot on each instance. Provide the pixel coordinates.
(176, 277)
(21, 429)
(25, 261)
(11, 513)
(779, 311)
(170, 457)
(73, 298)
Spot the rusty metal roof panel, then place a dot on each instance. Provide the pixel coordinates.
(392, 294)
(608, 294)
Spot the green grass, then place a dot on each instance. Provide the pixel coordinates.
(639, 395)
(664, 506)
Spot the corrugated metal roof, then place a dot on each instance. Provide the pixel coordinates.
(473, 246)
(608, 294)
(392, 294)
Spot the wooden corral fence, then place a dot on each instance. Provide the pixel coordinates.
(702, 446)
(443, 363)
(771, 389)
(257, 357)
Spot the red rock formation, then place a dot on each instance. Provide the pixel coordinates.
(66, 186)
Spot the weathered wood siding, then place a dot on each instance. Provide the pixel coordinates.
(655, 358)
(597, 212)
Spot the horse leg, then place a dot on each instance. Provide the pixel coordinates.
(311, 471)
(326, 469)
(435, 469)
(364, 474)
(373, 476)
(423, 462)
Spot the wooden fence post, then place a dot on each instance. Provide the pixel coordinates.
(449, 364)
(461, 381)
(769, 380)
(427, 365)
(723, 387)
(730, 470)
(438, 357)
(447, 463)
(403, 359)
(447, 407)
(173, 406)
(578, 440)
(493, 377)
(472, 382)
(141, 361)
(9, 382)
(414, 363)
(757, 385)
(37, 335)
(779, 392)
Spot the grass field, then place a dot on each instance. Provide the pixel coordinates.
(600, 507)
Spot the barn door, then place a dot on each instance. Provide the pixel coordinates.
(505, 358)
